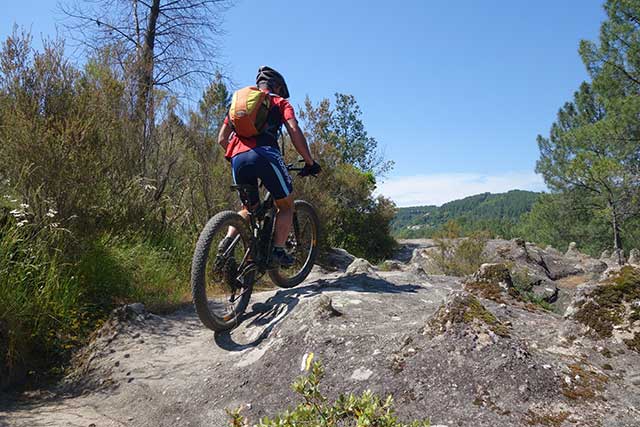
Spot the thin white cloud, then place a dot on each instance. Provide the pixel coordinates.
(437, 189)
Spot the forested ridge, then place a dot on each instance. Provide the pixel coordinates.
(590, 158)
(497, 213)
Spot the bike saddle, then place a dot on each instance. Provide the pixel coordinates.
(249, 193)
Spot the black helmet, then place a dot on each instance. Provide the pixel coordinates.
(273, 80)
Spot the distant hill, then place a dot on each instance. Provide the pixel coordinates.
(497, 213)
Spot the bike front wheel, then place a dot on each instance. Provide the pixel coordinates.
(218, 296)
(302, 245)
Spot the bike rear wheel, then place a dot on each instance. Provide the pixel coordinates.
(302, 244)
(219, 298)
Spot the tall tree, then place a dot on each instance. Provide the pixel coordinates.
(594, 149)
(162, 43)
(342, 127)
(614, 62)
(353, 141)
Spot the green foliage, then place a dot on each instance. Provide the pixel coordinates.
(346, 132)
(367, 409)
(493, 213)
(41, 315)
(459, 257)
(351, 216)
(608, 303)
(592, 148)
(52, 299)
(614, 63)
(135, 268)
(523, 284)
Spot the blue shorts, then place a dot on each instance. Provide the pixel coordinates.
(265, 163)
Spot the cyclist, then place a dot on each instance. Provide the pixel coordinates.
(259, 157)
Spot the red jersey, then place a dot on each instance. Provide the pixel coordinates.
(281, 111)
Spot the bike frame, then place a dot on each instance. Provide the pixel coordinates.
(262, 224)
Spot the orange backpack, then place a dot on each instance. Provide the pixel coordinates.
(249, 110)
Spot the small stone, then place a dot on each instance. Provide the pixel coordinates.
(117, 363)
(361, 374)
(126, 356)
(546, 366)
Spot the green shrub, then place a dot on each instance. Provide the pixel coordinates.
(41, 315)
(367, 409)
(523, 284)
(135, 267)
(52, 298)
(460, 257)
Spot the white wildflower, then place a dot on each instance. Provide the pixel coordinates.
(54, 225)
(24, 205)
(51, 213)
(149, 187)
(21, 223)
(17, 213)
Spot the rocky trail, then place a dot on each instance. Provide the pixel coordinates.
(459, 351)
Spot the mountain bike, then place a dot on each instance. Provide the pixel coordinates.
(223, 276)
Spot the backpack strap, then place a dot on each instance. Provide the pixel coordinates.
(229, 121)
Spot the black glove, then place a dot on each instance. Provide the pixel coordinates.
(307, 170)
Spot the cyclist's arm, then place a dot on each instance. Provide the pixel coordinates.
(223, 136)
(298, 140)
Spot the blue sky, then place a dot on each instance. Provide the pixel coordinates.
(455, 92)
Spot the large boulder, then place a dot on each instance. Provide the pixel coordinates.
(572, 251)
(531, 282)
(336, 259)
(583, 263)
(611, 309)
(462, 313)
(494, 273)
(549, 263)
(426, 259)
(361, 266)
(492, 281)
(391, 265)
(634, 257)
(559, 267)
(616, 258)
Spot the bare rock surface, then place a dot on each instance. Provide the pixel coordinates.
(441, 349)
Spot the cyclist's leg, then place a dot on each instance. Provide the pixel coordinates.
(275, 176)
(244, 170)
(276, 179)
(284, 219)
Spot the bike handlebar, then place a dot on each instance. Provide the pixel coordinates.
(291, 167)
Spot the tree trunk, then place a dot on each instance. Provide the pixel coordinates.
(617, 239)
(145, 77)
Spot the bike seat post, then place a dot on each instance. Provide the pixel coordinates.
(249, 195)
